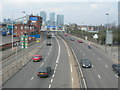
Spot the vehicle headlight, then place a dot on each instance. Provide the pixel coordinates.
(83, 64)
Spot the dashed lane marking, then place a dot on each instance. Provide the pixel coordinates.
(32, 78)
(99, 76)
(54, 71)
(53, 75)
(51, 80)
(42, 64)
(50, 86)
(56, 65)
(106, 66)
(116, 76)
(84, 54)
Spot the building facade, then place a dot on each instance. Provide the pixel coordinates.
(43, 15)
(33, 26)
(60, 20)
(52, 19)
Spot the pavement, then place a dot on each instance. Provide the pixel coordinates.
(55, 56)
(101, 74)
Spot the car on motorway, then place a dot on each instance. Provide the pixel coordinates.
(44, 71)
(71, 39)
(116, 68)
(66, 35)
(80, 41)
(36, 58)
(48, 44)
(86, 63)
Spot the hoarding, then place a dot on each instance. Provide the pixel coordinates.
(33, 18)
(109, 37)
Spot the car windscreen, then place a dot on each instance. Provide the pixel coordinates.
(36, 56)
(42, 70)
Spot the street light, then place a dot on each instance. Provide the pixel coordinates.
(13, 30)
(107, 14)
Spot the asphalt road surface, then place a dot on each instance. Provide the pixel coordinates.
(54, 56)
(101, 74)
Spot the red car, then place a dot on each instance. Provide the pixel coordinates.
(37, 58)
(80, 41)
(66, 35)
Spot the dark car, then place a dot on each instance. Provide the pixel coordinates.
(71, 39)
(48, 44)
(44, 71)
(86, 63)
(116, 68)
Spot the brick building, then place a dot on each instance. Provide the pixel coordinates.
(32, 26)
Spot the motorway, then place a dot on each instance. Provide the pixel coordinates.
(101, 74)
(55, 56)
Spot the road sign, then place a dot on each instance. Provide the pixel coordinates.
(109, 37)
(24, 41)
(95, 36)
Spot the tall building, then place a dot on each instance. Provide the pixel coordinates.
(52, 19)
(60, 20)
(43, 15)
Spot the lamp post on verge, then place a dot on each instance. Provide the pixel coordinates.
(13, 29)
(107, 14)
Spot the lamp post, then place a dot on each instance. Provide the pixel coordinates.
(107, 14)
(13, 29)
(82, 31)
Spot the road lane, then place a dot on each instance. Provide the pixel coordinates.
(62, 78)
(29, 71)
(99, 76)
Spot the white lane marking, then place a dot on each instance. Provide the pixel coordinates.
(116, 76)
(92, 66)
(66, 47)
(48, 54)
(50, 86)
(84, 54)
(58, 51)
(56, 65)
(80, 69)
(84, 83)
(55, 68)
(53, 75)
(54, 71)
(51, 80)
(72, 81)
(32, 78)
(42, 64)
(99, 76)
(106, 66)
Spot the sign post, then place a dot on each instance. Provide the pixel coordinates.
(24, 43)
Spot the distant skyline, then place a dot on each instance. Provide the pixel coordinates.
(88, 13)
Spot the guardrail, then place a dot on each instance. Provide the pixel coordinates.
(79, 70)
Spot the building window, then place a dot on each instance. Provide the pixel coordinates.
(30, 27)
(26, 27)
(15, 27)
(21, 27)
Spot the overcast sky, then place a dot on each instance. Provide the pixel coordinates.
(90, 12)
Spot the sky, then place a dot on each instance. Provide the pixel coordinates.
(87, 12)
